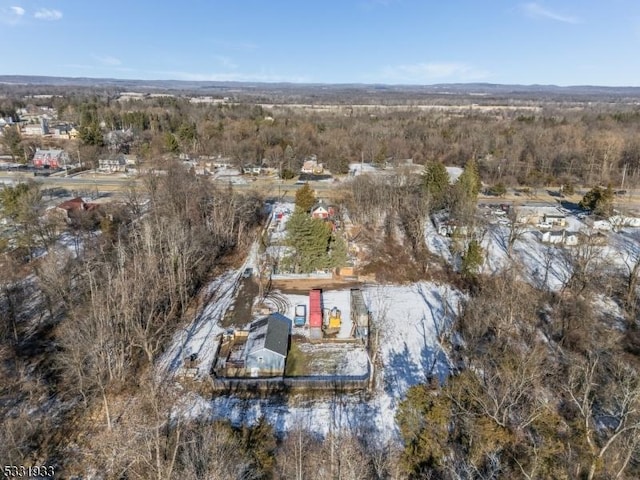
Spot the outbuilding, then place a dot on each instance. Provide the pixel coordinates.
(267, 346)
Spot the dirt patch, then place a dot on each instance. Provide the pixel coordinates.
(240, 312)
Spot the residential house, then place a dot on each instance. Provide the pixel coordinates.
(50, 159)
(312, 166)
(252, 169)
(116, 163)
(322, 210)
(5, 121)
(557, 219)
(619, 221)
(267, 346)
(36, 129)
(598, 224)
(130, 160)
(62, 131)
(70, 209)
(560, 237)
(447, 227)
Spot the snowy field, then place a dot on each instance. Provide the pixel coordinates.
(410, 318)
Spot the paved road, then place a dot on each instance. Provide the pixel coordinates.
(287, 190)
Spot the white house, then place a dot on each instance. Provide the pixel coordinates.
(312, 166)
(600, 224)
(112, 164)
(560, 237)
(619, 221)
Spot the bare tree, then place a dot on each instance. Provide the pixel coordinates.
(610, 413)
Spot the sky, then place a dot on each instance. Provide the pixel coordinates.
(424, 42)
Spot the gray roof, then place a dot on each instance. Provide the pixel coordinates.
(270, 332)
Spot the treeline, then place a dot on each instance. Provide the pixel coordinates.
(587, 145)
(85, 329)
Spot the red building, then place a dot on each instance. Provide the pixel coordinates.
(50, 159)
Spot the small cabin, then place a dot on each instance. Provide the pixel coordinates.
(267, 346)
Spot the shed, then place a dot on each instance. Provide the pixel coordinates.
(359, 314)
(267, 346)
(315, 313)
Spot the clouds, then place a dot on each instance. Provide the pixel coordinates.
(535, 10)
(48, 14)
(17, 15)
(434, 71)
(11, 15)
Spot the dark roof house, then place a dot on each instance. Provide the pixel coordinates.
(267, 345)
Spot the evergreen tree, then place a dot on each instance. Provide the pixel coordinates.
(91, 134)
(338, 251)
(11, 140)
(260, 442)
(465, 192)
(305, 198)
(469, 181)
(436, 183)
(310, 239)
(598, 200)
(170, 143)
(473, 258)
(424, 421)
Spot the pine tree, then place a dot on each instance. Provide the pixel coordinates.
(305, 198)
(338, 254)
(469, 180)
(466, 192)
(473, 258)
(436, 183)
(424, 421)
(310, 239)
(598, 200)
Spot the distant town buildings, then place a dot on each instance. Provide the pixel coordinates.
(50, 159)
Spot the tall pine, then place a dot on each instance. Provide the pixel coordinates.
(436, 183)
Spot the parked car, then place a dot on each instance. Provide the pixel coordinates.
(247, 272)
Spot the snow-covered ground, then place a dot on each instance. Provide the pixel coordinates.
(360, 168)
(543, 265)
(454, 173)
(281, 212)
(199, 336)
(436, 243)
(335, 358)
(410, 318)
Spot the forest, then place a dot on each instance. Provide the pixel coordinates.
(546, 381)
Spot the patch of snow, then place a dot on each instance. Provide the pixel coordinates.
(454, 174)
(360, 168)
(199, 336)
(436, 243)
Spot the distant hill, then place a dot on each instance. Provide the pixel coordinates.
(321, 90)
